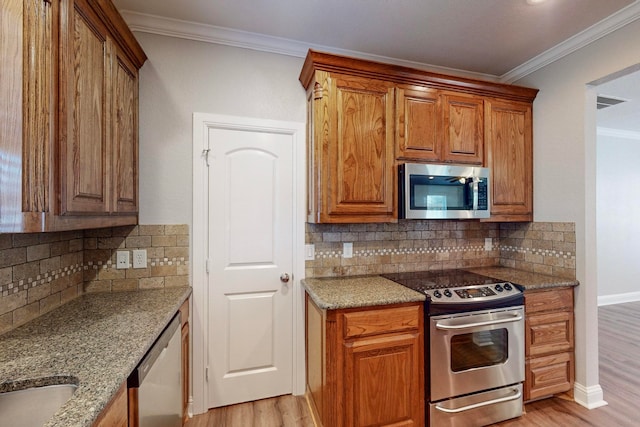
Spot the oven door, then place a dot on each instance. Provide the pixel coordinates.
(476, 351)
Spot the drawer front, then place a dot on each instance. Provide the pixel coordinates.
(548, 375)
(548, 300)
(372, 322)
(549, 333)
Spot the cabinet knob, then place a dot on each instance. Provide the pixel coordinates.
(284, 277)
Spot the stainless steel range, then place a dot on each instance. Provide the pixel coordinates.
(475, 349)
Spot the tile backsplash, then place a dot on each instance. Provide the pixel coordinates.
(41, 271)
(167, 257)
(414, 245)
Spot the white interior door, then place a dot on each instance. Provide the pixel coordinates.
(251, 232)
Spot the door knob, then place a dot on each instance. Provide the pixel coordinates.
(284, 277)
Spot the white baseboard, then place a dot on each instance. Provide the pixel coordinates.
(589, 397)
(618, 298)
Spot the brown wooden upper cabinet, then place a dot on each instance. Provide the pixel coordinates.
(364, 118)
(438, 126)
(353, 155)
(509, 154)
(69, 116)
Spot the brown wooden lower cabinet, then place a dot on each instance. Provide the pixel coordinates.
(115, 414)
(549, 342)
(365, 366)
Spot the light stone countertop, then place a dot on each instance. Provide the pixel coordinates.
(332, 293)
(94, 341)
(528, 280)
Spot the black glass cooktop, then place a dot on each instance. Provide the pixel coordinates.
(439, 279)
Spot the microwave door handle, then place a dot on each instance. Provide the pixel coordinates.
(516, 395)
(514, 318)
(474, 188)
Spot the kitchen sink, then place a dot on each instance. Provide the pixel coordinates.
(32, 407)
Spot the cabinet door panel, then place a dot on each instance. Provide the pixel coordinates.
(418, 124)
(509, 155)
(548, 300)
(548, 375)
(125, 136)
(85, 151)
(463, 129)
(381, 383)
(549, 333)
(361, 148)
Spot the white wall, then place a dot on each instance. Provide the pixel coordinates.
(565, 168)
(182, 77)
(618, 210)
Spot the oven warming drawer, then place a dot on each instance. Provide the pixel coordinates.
(479, 409)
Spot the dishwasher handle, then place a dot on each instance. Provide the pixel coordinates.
(156, 350)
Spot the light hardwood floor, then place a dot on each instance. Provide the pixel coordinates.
(619, 342)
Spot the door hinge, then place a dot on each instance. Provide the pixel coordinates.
(206, 373)
(206, 266)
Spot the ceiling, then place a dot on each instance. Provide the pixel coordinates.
(497, 40)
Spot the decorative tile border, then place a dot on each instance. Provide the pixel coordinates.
(544, 252)
(40, 279)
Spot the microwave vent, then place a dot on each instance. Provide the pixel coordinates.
(607, 101)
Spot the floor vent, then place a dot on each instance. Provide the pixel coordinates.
(606, 102)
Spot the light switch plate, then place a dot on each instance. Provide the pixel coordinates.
(139, 258)
(347, 250)
(122, 260)
(488, 243)
(309, 252)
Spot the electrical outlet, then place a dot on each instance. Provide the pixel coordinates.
(122, 260)
(139, 258)
(347, 250)
(309, 252)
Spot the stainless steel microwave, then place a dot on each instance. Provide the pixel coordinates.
(430, 191)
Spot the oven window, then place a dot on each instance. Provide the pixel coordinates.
(479, 349)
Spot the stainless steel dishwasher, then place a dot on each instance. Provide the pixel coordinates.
(155, 387)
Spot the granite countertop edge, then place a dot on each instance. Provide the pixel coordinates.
(94, 341)
(332, 293)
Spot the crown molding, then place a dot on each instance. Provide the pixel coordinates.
(618, 133)
(597, 31)
(170, 27)
(153, 24)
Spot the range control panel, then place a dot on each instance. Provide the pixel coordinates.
(473, 293)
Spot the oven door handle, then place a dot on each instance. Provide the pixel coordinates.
(515, 318)
(514, 396)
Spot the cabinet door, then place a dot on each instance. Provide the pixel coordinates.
(549, 333)
(359, 173)
(463, 137)
(382, 381)
(418, 124)
(85, 112)
(125, 135)
(510, 157)
(548, 375)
